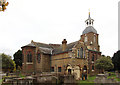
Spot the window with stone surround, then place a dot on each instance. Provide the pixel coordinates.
(84, 53)
(22, 58)
(92, 67)
(52, 69)
(59, 69)
(78, 54)
(81, 52)
(29, 57)
(85, 40)
(38, 57)
(93, 57)
(94, 38)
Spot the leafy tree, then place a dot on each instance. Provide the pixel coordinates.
(116, 60)
(104, 63)
(7, 63)
(18, 58)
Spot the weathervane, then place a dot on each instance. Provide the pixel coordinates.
(3, 5)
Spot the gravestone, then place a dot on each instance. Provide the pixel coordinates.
(102, 79)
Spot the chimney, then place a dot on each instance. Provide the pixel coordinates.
(64, 44)
(32, 41)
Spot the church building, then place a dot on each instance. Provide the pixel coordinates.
(77, 58)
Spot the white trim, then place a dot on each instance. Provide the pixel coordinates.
(92, 70)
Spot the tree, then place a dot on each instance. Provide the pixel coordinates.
(104, 63)
(7, 63)
(116, 60)
(18, 58)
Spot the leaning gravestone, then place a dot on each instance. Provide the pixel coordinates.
(101, 79)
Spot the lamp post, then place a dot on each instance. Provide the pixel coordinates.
(3, 5)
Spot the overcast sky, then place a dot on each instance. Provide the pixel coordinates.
(50, 21)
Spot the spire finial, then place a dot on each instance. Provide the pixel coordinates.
(89, 21)
(89, 13)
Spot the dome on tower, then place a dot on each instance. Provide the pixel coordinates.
(89, 29)
(89, 23)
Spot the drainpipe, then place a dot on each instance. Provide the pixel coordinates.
(50, 63)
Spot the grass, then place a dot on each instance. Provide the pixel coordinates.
(89, 81)
(22, 76)
(113, 76)
(0, 81)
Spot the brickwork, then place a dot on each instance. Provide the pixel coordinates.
(28, 67)
(77, 57)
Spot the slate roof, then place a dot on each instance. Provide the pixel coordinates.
(46, 50)
(68, 48)
(51, 48)
(43, 45)
(89, 29)
(29, 45)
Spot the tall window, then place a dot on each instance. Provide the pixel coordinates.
(92, 67)
(59, 69)
(52, 69)
(22, 58)
(93, 58)
(29, 57)
(84, 53)
(78, 53)
(38, 57)
(94, 38)
(85, 40)
(81, 52)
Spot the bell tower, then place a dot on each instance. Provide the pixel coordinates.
(90, 36)
(89, 21)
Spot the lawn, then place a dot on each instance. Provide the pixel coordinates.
(113, 76)
(0, 81)
(22, 76)
(89, 81)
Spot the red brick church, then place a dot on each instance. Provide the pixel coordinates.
(76, 58)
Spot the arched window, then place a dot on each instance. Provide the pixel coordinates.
(81, 52)
(38, 57)
(78, 53)
(22, 58)
(84, 53)
(29, 57)
(93, 67)
(85, 40)
(94, 38)
(85, 68)
(93, 58)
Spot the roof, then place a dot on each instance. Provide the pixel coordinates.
(68, 48)
(29, 45)
(89, 29)
(46, 50)
(51, 48)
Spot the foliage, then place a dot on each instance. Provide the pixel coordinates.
(18, 58)
(7, 63)
(116, 60)
(104, 63)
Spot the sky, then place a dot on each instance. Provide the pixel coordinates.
(51, 21)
